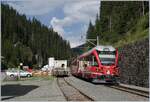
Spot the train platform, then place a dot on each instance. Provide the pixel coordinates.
(134, 87)
(103, 92)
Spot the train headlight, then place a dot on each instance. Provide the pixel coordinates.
(108, 72)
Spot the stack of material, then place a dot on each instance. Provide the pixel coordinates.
(44, 73)
(39, 73)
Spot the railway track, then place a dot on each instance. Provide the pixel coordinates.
(70, 92)
(130, 90)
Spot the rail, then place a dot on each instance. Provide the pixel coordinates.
(130, 89)
(70, 92)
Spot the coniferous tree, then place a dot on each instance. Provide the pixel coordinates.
(116, 19)
(28, 41)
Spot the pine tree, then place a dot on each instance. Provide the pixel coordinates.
(28, 41)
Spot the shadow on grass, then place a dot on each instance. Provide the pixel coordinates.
(15, 90)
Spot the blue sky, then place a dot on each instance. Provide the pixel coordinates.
(70, 18)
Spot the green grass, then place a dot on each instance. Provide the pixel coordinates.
(139, 32)
(38, 78)
(35, 78)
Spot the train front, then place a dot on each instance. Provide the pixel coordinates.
(108, 64)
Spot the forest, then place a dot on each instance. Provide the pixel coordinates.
(120, 22)
(28, 41)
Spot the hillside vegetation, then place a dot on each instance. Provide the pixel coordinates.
(28, 41)
(120, 23)
(139, 32)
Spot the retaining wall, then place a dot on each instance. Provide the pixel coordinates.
(134, 64)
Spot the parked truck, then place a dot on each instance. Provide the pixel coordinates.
(60, 68)
(51, 63)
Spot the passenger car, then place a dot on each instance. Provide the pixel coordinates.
(13, 73)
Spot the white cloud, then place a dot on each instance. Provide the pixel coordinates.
(76, 12)
(83, 10)
(59, 24)
(34, 7)
(75, 41)
(79, 11)
(75, 44)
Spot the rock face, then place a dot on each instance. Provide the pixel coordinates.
(134, 64)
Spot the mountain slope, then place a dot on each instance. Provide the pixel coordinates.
(120, 22)
(28, 41)
(139, 32)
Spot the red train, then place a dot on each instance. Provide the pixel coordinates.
(99, 64)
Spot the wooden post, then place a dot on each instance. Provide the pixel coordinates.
(143, 7)
(110, 23)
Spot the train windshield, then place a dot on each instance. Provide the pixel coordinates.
(107, 52)
(107, 61)
(107, 57)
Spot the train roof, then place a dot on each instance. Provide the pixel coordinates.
(104, 48)
(99, 48)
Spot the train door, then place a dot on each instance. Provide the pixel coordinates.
(93, 67)
(83, 63)
(90, 66)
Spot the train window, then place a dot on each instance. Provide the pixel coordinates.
(89, 61)
(107, 52)
(107, 57)
(75, 62)
(83, 62)
(92, 60)
(107, 61)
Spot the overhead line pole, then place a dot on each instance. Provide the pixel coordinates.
(97, 39)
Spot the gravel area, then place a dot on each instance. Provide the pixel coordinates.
(31, 90)
(102, 93)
